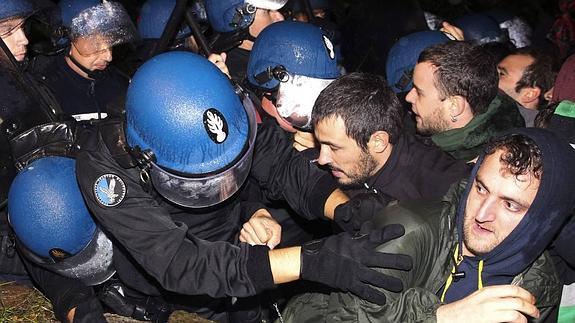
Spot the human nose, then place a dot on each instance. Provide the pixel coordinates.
(487, 211)
(410, 96)
(21, 37)
(324, 156)
(107, 55)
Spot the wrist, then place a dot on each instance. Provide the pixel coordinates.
(286, 264)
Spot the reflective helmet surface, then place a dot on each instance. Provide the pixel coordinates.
(72, 8)
(154, 17)
(479, 28)
(181, 109)
(403, 56)
(300, 48)
(53, 224)
(233, 15)
(14, 9)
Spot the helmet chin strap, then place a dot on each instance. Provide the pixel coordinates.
(250, 37)
(97, 74)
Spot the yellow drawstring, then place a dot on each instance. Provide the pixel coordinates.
(479, 279)
(458, 260)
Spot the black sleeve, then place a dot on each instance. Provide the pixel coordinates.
(65, 293)
(285, 174)
(179, 261)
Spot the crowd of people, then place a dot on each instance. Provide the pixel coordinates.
(297, 161)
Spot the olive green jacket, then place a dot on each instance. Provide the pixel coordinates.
(430, 240)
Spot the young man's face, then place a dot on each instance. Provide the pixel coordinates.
(496, 204)
(511, 70)
(14, 37)
(91, 53)
(349, 163)
(426, 102)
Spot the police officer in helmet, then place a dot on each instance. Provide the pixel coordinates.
(164, 184)
(238, 23)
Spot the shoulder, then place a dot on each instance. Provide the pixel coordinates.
(542, 280)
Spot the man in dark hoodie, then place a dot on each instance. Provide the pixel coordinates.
(491, 231)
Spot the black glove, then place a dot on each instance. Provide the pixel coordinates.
(351, 215)
(90, 311)
(342, 261)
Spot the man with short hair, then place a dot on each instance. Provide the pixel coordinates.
(455, 99)
(527, 76)
(479, 252)
(357, 122)
(81, 79)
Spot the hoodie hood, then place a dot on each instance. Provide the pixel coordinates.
(548, 213)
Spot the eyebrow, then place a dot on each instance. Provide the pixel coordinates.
(329, 143)
(521, 203)
(501, 68)
(420, 91)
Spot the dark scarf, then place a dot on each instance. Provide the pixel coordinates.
(467, 143)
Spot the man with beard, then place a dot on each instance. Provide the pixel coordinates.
(480, 250)
(455, 99)
(357, 122)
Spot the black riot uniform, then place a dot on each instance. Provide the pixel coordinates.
(162, 249)
(83, 98)
(19, 111)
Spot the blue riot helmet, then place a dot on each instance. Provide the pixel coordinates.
(480, 28)
(403, 56)
(154, 17)
(72, 8)
(53, 225)
(235, 15)
(298, 60)
(189, 129)
(106, 25)
(11, 9)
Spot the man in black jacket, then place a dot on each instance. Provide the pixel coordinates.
(357, 122)
(82, 79)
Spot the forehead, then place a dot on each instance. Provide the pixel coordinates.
(497, 177)
(518, 62)
(423, 75)
(332, 129)
(8, 24)
(91, 44)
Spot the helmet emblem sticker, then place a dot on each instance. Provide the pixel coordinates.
(329, 46)
(216, 125)
(109, 190)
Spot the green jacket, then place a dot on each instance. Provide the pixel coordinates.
(430, 240)
(466, 143)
